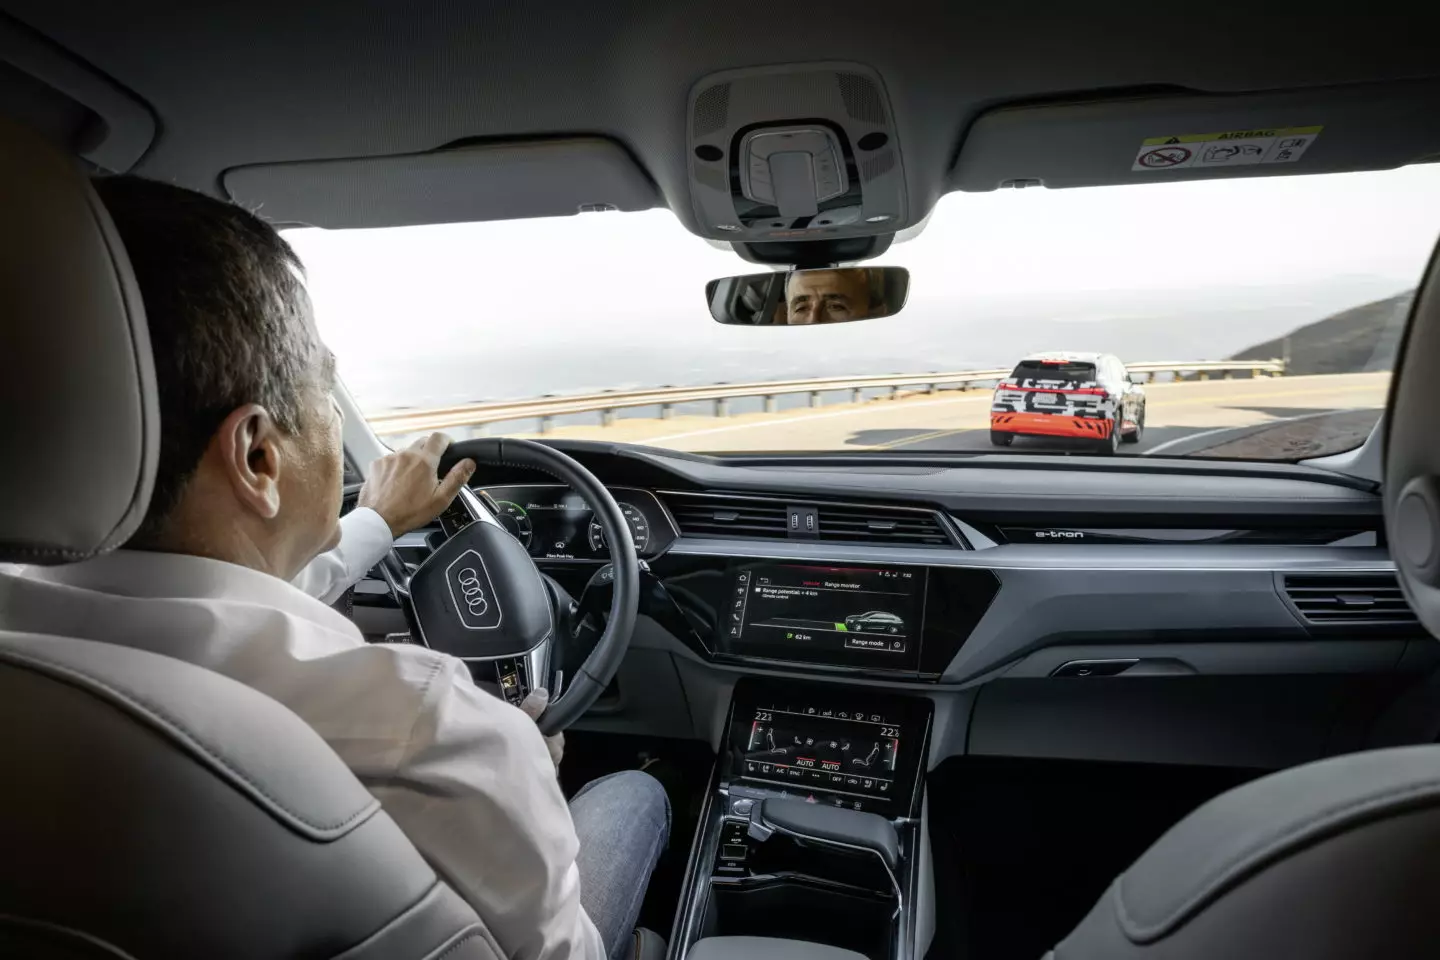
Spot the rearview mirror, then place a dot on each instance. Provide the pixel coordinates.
(804, 297)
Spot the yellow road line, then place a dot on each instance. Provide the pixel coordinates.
(932, 435)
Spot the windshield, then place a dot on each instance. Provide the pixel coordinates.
(1251, 318)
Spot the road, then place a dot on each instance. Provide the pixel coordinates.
(1181, 418)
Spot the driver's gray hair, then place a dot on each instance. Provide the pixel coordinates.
(228, 318)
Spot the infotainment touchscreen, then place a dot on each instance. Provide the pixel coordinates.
(843, 615)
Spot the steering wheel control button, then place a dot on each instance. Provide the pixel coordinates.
(513, 676)
(472, 593)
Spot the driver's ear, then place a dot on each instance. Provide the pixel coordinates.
(251, 454)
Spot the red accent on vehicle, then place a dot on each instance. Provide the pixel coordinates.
(1087, 391)
(1051, 425)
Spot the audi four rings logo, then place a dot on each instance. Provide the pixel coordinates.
(477, 607)
(469, 582)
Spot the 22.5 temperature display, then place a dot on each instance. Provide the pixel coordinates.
(850, 755)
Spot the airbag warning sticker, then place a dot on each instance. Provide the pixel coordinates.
(1236, 148)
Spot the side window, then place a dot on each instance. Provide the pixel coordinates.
(1119, 371)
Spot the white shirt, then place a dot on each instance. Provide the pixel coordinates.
(464, 774)
(364, 540)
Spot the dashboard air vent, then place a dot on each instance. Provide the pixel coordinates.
(1350, 598)
(848, 523)
(706, 516)
(765, 518)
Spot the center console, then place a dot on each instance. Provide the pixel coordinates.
(811, 829)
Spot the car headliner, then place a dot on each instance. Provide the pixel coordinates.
(238, 83)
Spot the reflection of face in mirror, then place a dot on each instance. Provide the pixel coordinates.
(808, 297)
(827, 296)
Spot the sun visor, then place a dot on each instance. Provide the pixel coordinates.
(548, 178)
(1196, 137)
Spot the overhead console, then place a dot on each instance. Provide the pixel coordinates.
(791, 153)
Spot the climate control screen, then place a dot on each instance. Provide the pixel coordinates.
(840, 751)
(851, 747)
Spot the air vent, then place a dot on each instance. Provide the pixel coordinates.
(1357, 598)
(889, 525)
(706, 516)
(713, 515)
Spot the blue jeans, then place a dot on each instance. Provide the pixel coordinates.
(623, 822)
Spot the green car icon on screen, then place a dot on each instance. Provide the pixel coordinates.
(875, 621)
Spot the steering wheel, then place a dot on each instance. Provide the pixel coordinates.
(481, 598)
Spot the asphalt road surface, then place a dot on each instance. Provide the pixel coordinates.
(1181, 418)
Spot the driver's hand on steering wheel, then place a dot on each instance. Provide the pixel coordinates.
(402, 486)
(533, 705)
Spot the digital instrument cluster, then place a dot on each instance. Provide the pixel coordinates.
(554, 522)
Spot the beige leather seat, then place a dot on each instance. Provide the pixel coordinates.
(150, 808)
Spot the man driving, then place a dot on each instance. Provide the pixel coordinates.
(827, 296)
(246, 495)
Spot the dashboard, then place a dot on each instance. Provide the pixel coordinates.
(1226, 613)
(941, 571)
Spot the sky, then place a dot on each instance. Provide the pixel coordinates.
(436, 315)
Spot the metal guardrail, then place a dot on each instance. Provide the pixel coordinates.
(544, 409)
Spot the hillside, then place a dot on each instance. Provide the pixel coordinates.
(1353, 341)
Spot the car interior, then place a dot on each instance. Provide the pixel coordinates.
(1075, 708)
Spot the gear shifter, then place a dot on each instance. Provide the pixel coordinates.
(823, 824)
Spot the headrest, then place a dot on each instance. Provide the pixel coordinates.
(79, 424)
